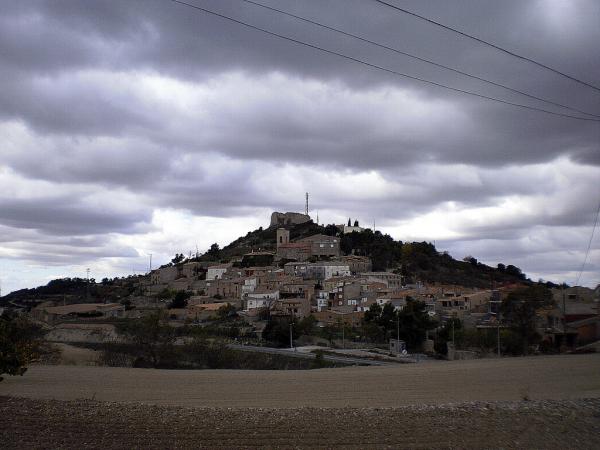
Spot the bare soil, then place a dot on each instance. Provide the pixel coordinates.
(540, 402)
(80, 424)
(508, 379)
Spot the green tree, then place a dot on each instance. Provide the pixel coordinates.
(180, 300)
(277, 331)
(20, 344)
(372, 314)
(214, 251)
(165, 294)
(178, 258)
(444, 335)
(152, 337)
(414, 323)
(373, 332)
(226, 311)
(306, 326)
(519, 309)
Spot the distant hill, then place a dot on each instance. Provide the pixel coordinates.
(416, 261)
(264, 239)
(74, 290)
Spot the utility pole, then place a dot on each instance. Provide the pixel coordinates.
(291, 334)
(398, 330)
(87, 289)
(564, 320)
(150, 266)
(498, 320)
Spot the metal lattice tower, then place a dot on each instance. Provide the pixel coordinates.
(306, 207)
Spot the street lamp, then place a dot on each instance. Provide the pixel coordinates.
(343, 328)
(397, 331)
(497, 316)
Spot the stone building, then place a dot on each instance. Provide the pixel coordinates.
(289, 218)
(392, 280)
(358, 264)
(322, 245)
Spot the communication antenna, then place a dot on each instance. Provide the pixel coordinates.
(306, 208)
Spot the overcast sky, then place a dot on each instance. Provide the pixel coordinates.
(136, 127)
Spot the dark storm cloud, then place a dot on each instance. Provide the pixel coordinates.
(69, 216)
(153, 105)
(170, 39)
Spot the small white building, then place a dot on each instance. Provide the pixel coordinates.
(328, 269)
(322, 303)
(260, 299)
(217, 272)
(397, 303)
(249, 286)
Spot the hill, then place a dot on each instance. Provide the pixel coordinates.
(75, 290)
(416, 261)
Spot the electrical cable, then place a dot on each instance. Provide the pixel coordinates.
(497, 47)
(587, 252)
(400, 52)
(375, 66)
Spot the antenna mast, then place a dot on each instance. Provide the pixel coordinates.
(306, 208)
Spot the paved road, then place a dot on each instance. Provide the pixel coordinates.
(536, 378)
(296, 354)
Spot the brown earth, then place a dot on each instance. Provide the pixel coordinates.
(80, 424)
(507, 379)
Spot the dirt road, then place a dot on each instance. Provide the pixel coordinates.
(510, 379)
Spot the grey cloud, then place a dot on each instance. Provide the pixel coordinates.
(173, 40)
(70, 70)
(69, 216)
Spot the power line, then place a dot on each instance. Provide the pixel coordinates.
(375, 66)
(400, 52)
(587, 252)
(497, 47)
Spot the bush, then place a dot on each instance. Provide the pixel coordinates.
(20, 344)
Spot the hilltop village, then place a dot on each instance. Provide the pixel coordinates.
(310, 275)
